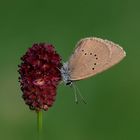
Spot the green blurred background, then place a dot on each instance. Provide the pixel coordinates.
(113, 109)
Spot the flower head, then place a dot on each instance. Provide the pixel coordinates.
(39, 76)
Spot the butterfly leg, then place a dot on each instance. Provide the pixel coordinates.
(76, 88)
(75, 94)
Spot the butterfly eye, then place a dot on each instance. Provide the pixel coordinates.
(92, 68)
(85, 53)
(95, 55)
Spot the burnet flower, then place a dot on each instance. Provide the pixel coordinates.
(39, 76)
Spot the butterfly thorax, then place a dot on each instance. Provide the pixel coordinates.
(65, 73)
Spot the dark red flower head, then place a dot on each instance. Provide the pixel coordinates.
(39, 76)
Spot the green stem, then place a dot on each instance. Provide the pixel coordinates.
(39, 122)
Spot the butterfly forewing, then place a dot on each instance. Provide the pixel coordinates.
(117, 53)
(90, 57)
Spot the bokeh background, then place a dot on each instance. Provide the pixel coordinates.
(113, 109)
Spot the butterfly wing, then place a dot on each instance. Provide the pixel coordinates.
(92, 56)
(117, 53)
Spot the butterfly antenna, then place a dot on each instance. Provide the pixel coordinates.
(58, 69)
(75, 94)
(76, 88)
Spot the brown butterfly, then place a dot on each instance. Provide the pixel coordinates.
(91, 56)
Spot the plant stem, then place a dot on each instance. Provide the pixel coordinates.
(39, 122)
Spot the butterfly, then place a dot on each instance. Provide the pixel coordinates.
(92, 56)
